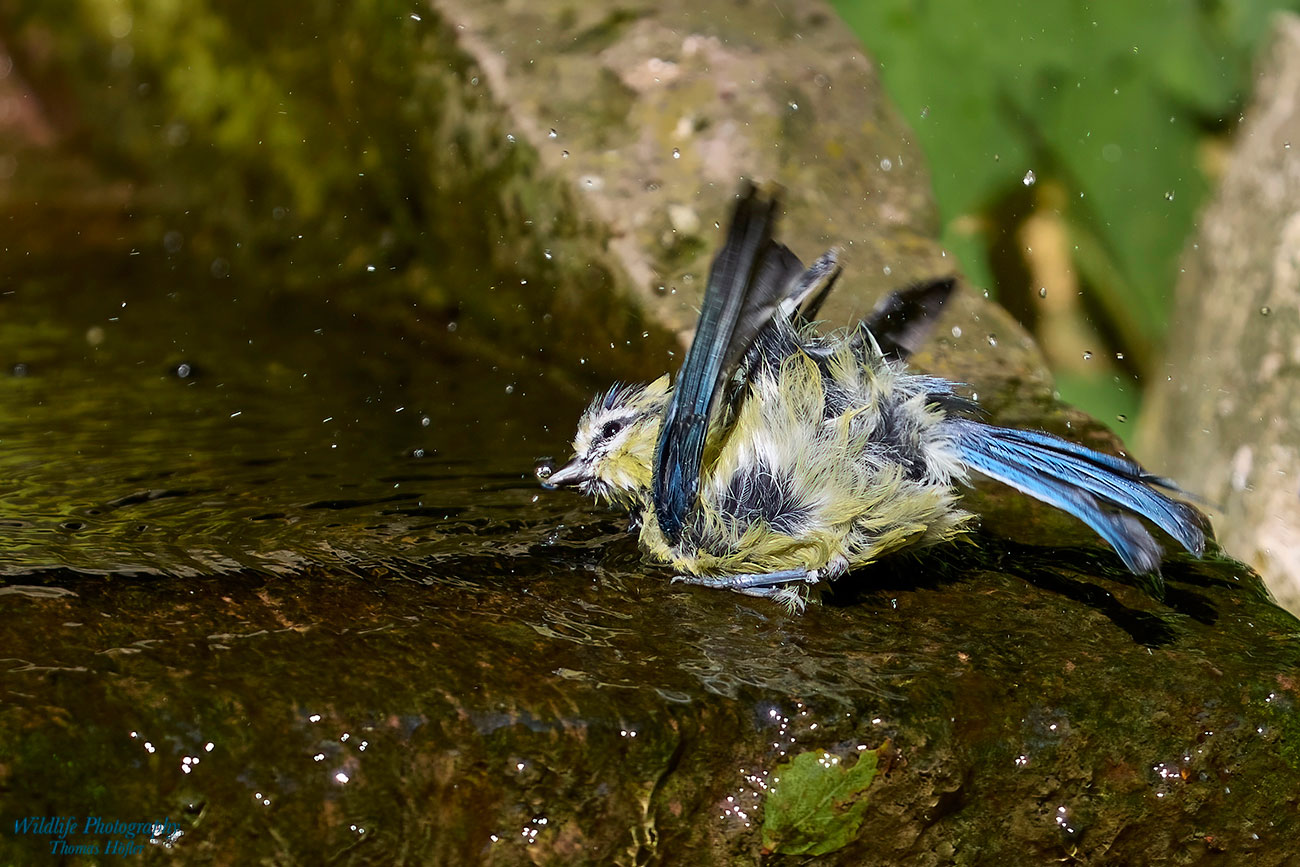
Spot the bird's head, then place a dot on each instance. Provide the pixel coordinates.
(614, 448)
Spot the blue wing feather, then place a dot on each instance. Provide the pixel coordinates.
(1073, 478)
(748, 278)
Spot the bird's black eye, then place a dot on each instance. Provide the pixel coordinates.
(610, 428)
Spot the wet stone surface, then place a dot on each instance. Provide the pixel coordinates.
(274, 571)
(303, 599)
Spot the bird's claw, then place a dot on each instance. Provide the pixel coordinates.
(745, 583)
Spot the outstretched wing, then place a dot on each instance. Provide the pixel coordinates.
(748, 280)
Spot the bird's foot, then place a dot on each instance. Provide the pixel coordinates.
(788, 587)
(754, 581)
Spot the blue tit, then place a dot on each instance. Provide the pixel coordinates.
(782, 457)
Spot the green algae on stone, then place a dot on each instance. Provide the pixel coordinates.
(816, 804)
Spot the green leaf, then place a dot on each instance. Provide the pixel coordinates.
(1110, 103)
(818, 804)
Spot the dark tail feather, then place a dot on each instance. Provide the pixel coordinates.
(902, 320)
(1074, 478)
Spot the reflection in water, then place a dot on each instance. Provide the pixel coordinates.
(285, 435)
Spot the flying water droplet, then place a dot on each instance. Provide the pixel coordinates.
(1029, 178)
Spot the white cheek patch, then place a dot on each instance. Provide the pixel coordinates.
(582, 439)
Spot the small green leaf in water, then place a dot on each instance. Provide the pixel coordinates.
(819, 804)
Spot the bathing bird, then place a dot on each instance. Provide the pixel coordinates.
(782, 456)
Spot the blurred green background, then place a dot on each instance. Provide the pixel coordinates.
(1072, 145)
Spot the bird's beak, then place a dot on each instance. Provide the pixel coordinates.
(572, 473)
